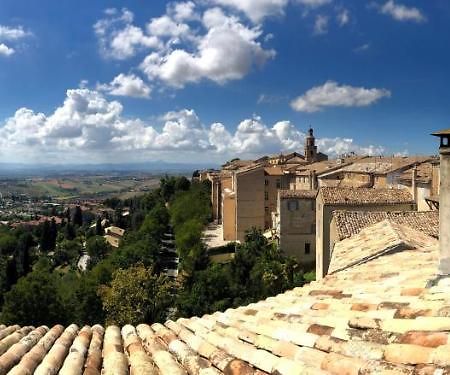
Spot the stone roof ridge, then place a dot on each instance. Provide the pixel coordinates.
(375, 241)
(356, 196)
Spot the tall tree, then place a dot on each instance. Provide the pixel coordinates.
(77, 216)
(46, 242)
(98, 227)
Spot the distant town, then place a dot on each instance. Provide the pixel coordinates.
(301, 201)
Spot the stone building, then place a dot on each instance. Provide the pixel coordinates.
(372, 171)
(295, 224)
(352, 199)
(249, 193)
(420, 182)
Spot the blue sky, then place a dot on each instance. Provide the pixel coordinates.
(96, 81)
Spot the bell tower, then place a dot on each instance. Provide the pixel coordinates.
(310, 147)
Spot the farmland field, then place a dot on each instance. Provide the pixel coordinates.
(74, 187)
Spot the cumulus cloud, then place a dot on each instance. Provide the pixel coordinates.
(256, 10)
(5, 50)
(89, 128)
(11, 35)
(185, 45)
(118, 38)
(183, 11)
(321, 24)
(331, 94)
(402, 12)
(228, 51)
(126, 85)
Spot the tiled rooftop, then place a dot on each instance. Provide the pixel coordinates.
(349, 223)
(383, 165)
(358, 196)
(375, 317)
(424, 173)
(305, 194)
(375, 240)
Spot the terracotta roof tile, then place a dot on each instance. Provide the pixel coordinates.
(349, 223)
(359, 196)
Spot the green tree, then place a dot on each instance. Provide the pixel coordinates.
(136, 295)
(98, 227)
(67, 252)
(8, 242)
(97, 248)
(33, 301)
(182, 184)
(22, 254)
(77, 218)
(46, 240)
(69, 231)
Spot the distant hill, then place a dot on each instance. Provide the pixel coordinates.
(157, 167)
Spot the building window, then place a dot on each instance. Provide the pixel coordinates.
(266, 182)
(278, 183)
(266, 195)
(292, 205)
(266, 209)
(307, 248)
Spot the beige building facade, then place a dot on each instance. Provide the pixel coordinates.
(295, 225)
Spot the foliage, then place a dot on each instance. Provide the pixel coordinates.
(33, 301)
(67, 252)
(258, 271)
(49, 232)
(136, 295)
(77, 218)
(97, 248)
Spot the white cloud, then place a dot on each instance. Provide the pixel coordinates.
(362, 48)
(314, 3)
(343, 17)
(183, 11)
(166, 26)
(256, 10)
(13, 33)
(126, 85)
(118, 38)
(228, 51)
(89, 128)
(340, 146)
(331, 94)
(184, 46)
(321, 25)
(401, 12)
(5, 50)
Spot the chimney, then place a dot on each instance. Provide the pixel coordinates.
(414, 183)
(444, 204)
(312, 180)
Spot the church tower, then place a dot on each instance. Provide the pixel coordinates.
(310, 147)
